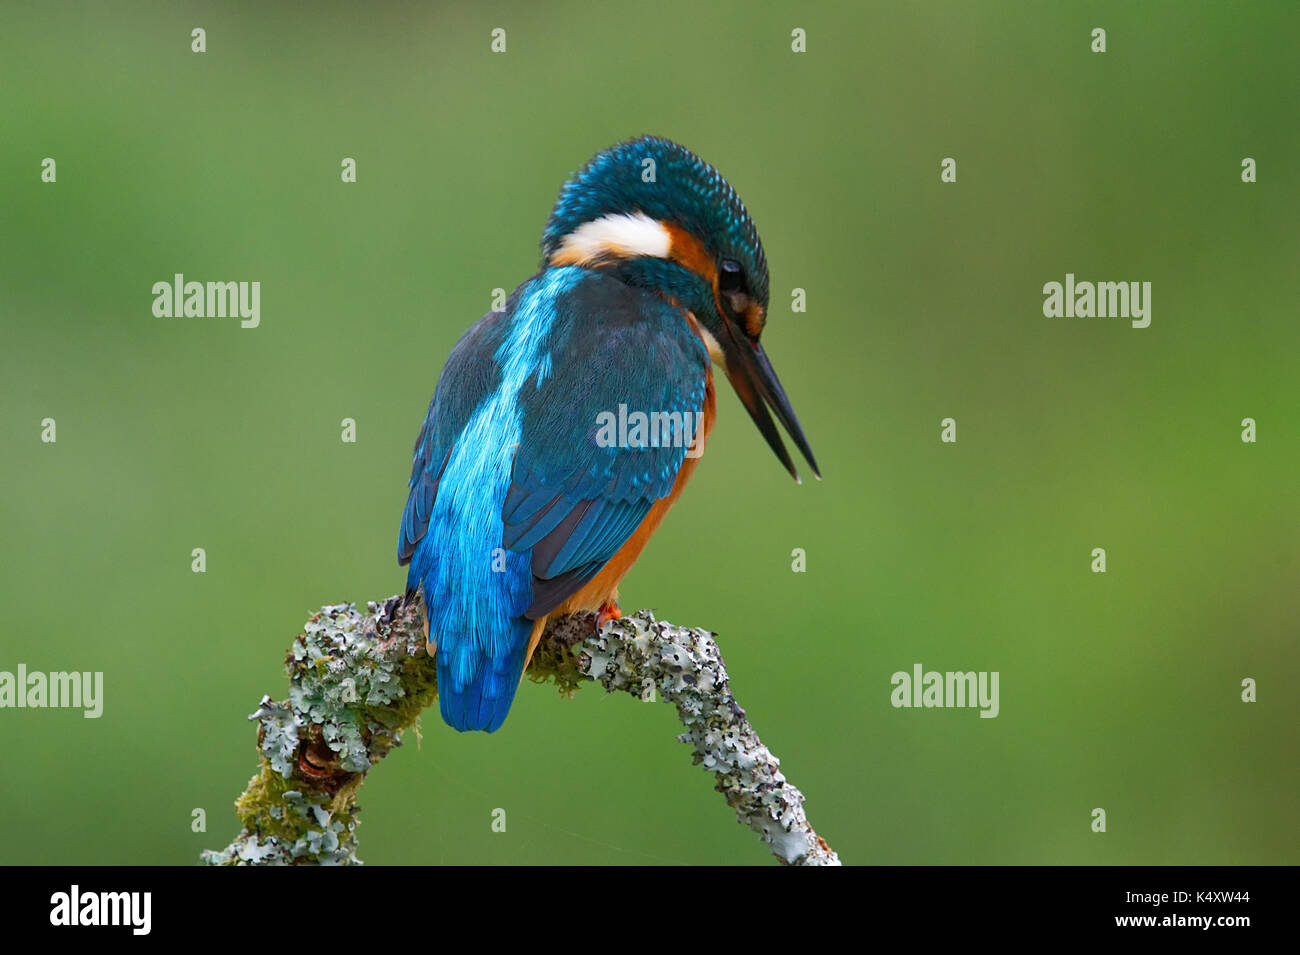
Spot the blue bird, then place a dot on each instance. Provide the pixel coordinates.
(563, 427)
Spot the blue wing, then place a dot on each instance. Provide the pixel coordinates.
(574, 500)
(467, 379)
(516, 497)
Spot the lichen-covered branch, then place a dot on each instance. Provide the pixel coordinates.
(358, 681)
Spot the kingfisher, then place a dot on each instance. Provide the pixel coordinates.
(564, 426)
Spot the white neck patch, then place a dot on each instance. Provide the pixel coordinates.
(618, 236)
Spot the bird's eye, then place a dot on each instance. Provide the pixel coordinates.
(730, 277)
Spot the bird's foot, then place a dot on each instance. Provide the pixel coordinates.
(608, 611)
(382, 622)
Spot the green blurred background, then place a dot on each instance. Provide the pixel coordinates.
(1119, 691)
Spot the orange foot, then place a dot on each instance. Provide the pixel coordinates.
(608, 611)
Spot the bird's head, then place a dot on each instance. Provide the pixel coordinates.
(660, 217)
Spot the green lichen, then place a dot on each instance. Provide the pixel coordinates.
(356, 683)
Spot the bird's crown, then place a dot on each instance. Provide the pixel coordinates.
(656, 181)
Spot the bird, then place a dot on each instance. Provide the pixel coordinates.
(535, 486)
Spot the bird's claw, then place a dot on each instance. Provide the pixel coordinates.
(608, 611)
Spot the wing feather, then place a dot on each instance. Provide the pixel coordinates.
(574, 502)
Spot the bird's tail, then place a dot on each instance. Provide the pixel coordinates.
(482, 701)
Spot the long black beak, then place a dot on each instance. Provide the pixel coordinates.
(756, 383)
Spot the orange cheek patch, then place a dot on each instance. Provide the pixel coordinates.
(566, 257)
(689, 252)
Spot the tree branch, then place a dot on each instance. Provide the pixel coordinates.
(358, 681)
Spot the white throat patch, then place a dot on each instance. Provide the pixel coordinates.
(618, 236)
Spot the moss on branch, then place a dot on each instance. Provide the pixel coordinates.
(358, 681)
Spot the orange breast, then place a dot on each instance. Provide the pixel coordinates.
(604, 586)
